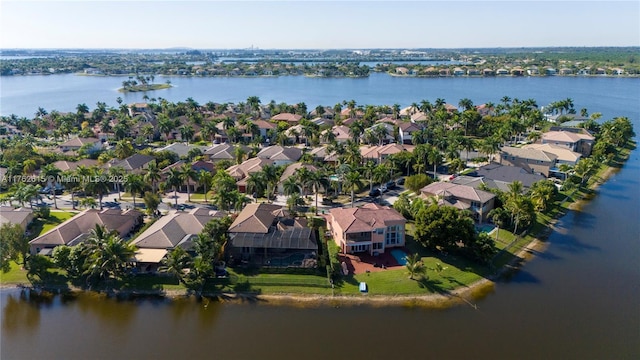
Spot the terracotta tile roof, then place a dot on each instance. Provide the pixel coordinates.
(366, 218)
(288, 117)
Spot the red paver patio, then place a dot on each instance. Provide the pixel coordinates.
(360, 263)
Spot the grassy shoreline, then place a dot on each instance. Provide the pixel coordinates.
(442, 297)
(143, 88)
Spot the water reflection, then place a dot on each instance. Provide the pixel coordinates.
(21, 311)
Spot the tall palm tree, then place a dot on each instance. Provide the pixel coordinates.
(187, 174)
(352, 182)
(98, 185)
(271, 176)
(152, 175)
(134, 185)
(117, 173)
(174, 180)
(51, 173)
(205, 178)
(434, 156)
(318, 180)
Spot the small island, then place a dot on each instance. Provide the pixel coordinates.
(142, 83)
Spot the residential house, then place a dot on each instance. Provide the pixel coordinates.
(419, 116)
(474, 72)
(537, 161)
(264, 127)
(73, 165)
(502, 72)
(139, 109)
(266, 234)
(135, 163)
(321, 154)
(380, 153)
(462, 197)
(290, 171)
(564, 155)
(387, 138)
(181, 149)
(221, 152)
(370, 229)
(76, 230)
(342, 134)
(92, 144)
(241, 172)
(20, 216)
(488, 72)
(280, 155)
(176, 229)
(405, 128)
(196, 166)
(507, 174)
(578, 140)
(291, 119)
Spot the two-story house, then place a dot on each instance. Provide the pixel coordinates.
(462, 197)
(578, 140)
(538, 161)
(371, 228)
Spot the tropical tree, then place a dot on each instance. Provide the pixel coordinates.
(151, 202)
(134, 185)
(52, 173)
(317, 181)
(98, 184)
(352, 183)
(152, 175)
(176, 263)
(187, 173)
(174, 180)
(205, 178)
(107, 255)
(414, 265)
(124, 149)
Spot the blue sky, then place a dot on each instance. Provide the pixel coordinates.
(317, 25)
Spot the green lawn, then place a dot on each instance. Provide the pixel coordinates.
(56, 217)
(15, 276)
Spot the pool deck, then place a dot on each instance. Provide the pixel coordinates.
(361, 263)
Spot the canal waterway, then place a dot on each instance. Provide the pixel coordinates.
(576, 300)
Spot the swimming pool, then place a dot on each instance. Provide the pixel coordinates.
(485, 228)
(400, 256)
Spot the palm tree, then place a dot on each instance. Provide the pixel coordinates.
(290, 186)
(369, 171)
(414, 265)
(51, 173)
(134, 185)
(186, 132)
(152, 175)
(209, 130)
(271, 176)
(316, 181)
(176, 263)
(187, 173)
(174, 180)
(108, 256)
(434, 157)
(352, 182)
(98, 185)
(117, 174)
(205, 178)
(124, 149)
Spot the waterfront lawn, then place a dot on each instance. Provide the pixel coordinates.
(16, 275)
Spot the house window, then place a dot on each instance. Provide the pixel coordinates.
(379, 231)
(377, 246)
(394, 235)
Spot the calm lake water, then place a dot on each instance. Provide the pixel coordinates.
(577, 300)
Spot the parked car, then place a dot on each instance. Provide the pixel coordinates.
(383, 189)
(374, 193)
(400, 181)
(391, 185)
(453, 177)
